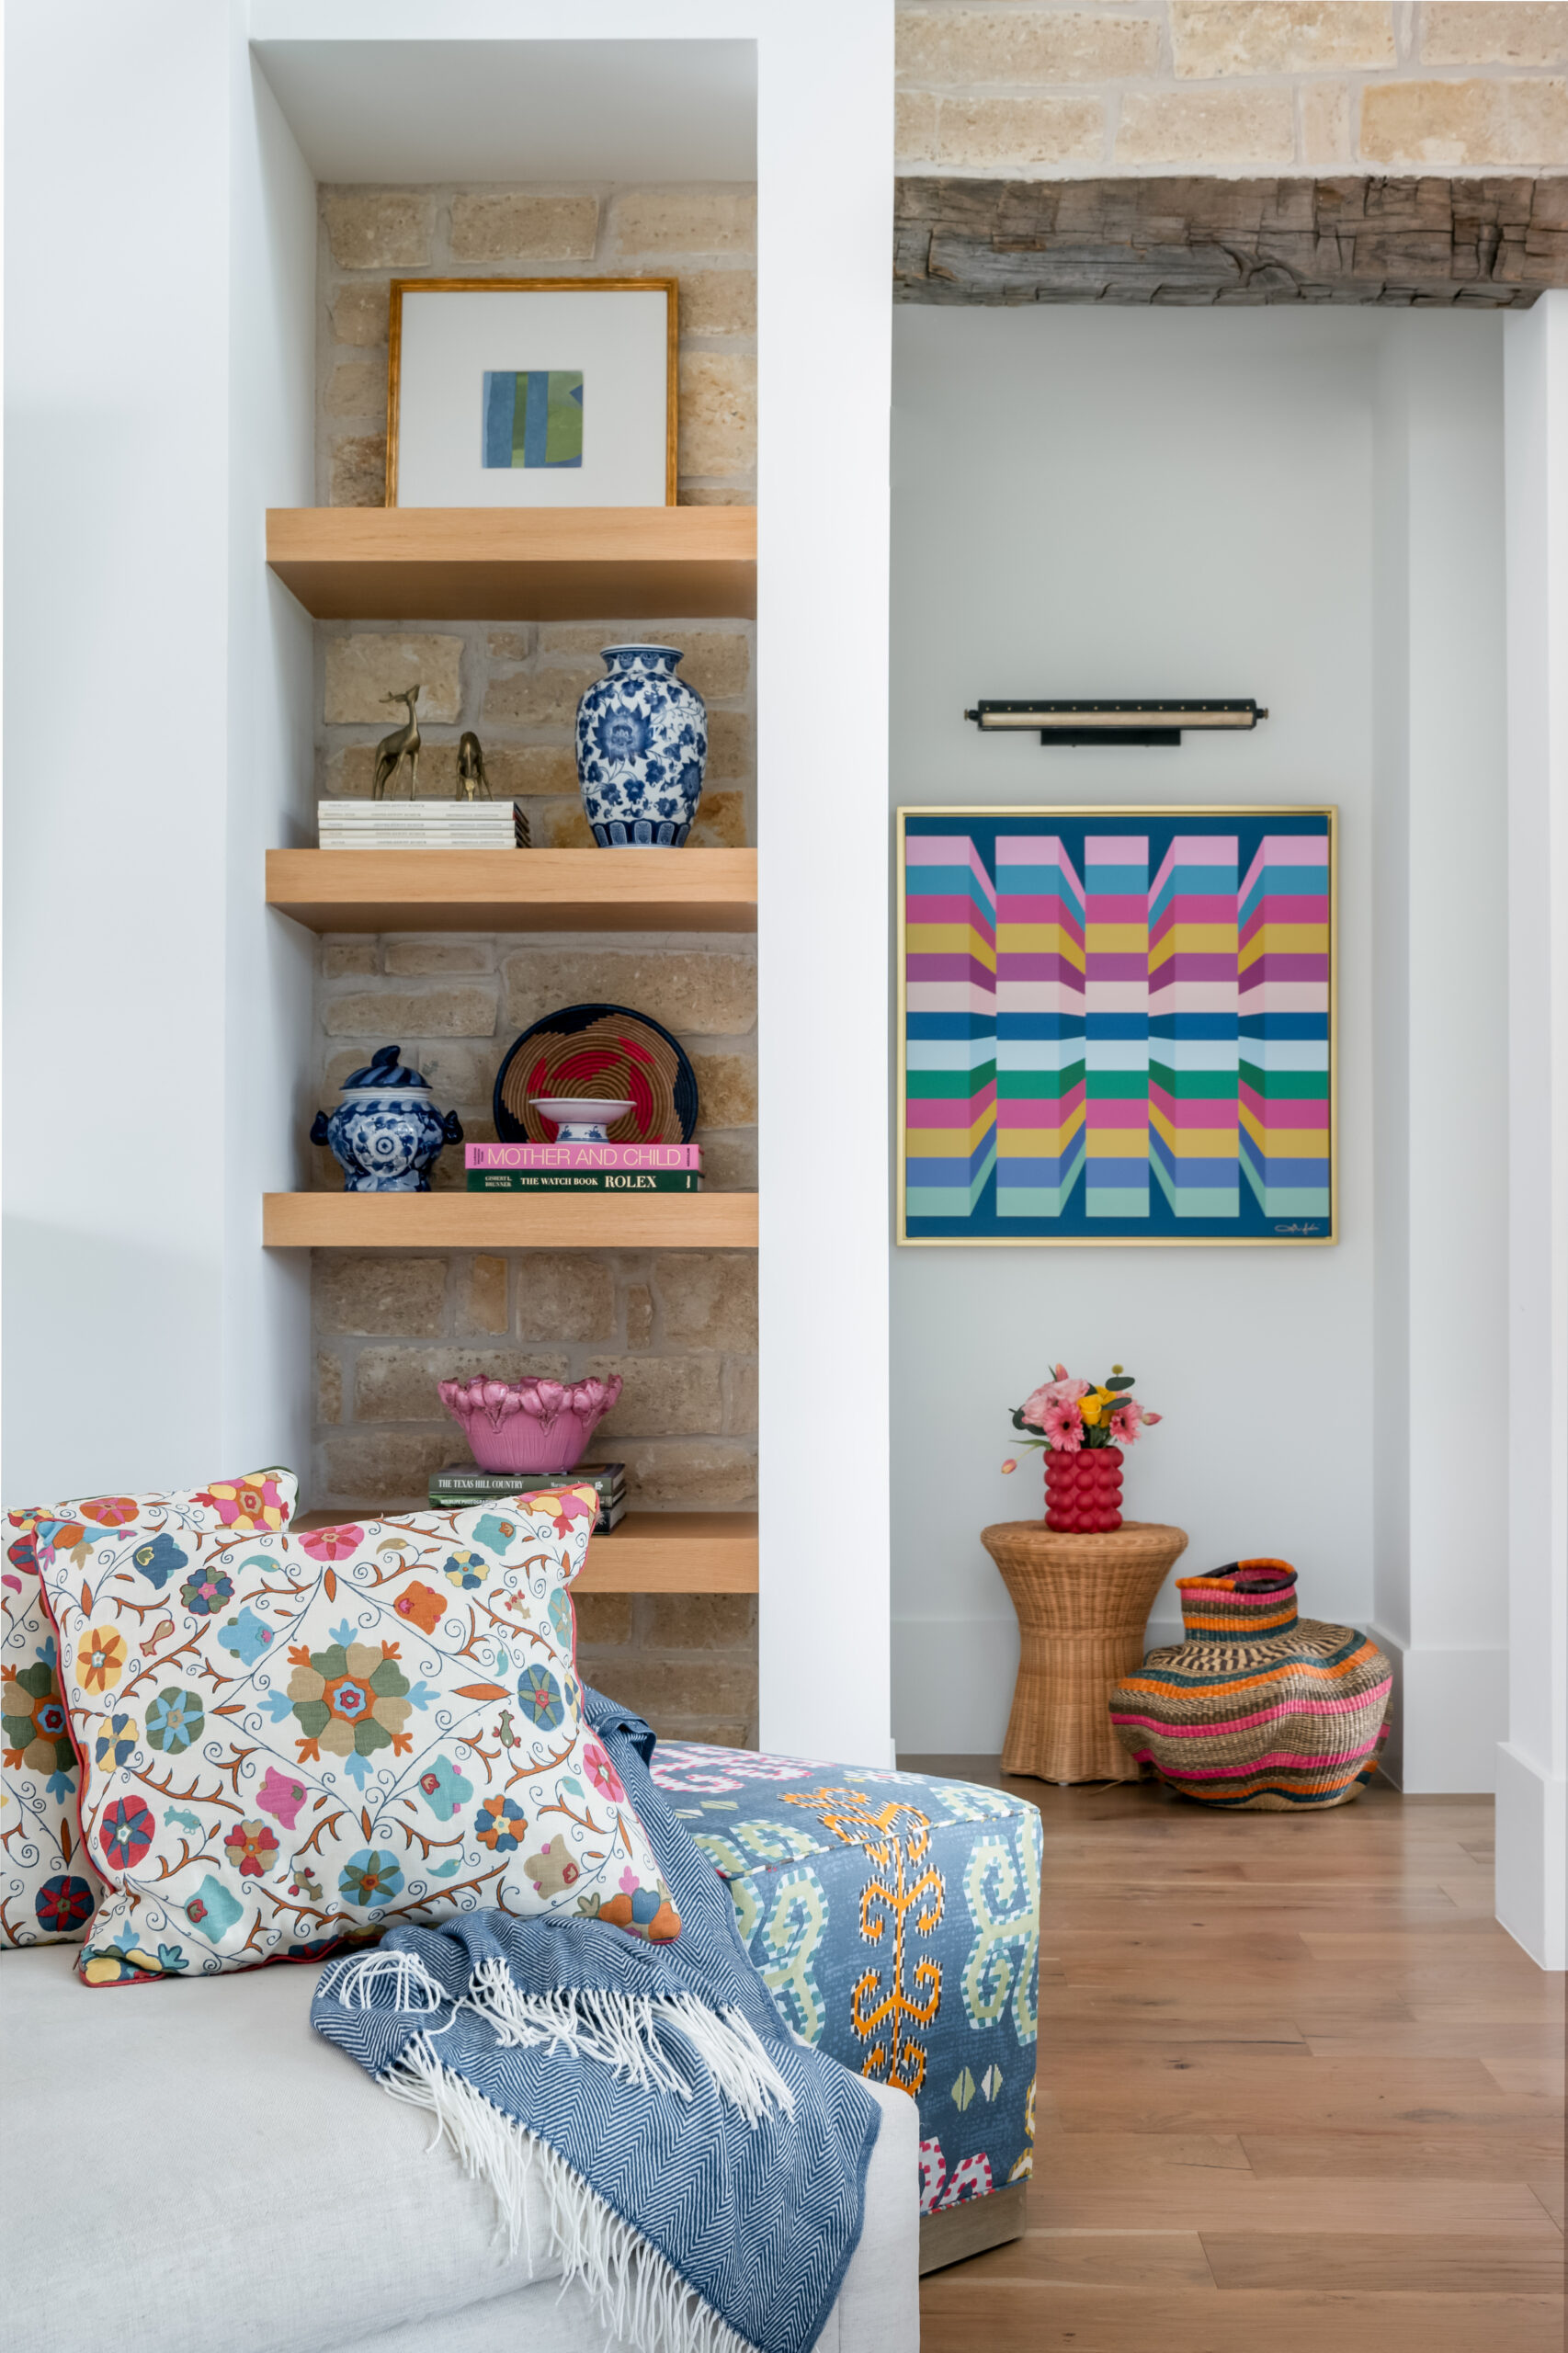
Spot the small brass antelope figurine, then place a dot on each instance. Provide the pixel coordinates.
(401, 744)
(472, 782)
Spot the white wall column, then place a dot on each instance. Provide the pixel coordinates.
(1440, 888)
(823, 911)
(1532, 1761)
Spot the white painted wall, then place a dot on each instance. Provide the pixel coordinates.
(1533, 1762)
(140, 774)
(1168, 502)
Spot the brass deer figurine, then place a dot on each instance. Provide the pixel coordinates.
(401, 744)
(472, 782)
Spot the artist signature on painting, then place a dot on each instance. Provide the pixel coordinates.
(1298, 1228)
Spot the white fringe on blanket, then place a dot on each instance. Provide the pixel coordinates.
(621, 2031)
(638, 2297)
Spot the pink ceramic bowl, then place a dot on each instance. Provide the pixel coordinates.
(530, 1426)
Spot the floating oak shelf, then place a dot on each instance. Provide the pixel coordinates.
(515, 889)
(651, 1551)
(509, 1220)
(472, 563)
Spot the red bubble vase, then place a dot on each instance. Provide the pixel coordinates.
(1083, 1491)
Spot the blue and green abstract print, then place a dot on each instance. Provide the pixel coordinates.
(533, 417)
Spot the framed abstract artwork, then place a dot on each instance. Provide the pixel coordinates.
(1117, 1025)
(531, 392)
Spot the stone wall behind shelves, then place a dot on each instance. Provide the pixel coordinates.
(679, 1326)
(705, 236)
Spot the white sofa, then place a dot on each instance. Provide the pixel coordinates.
(188, 2168)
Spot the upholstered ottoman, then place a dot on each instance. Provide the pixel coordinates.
(896, 1918)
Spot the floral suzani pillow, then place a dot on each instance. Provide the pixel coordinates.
(299, 1740)
(49, 1889)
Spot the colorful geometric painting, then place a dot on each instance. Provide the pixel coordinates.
(1117, 1025)
(533, 417)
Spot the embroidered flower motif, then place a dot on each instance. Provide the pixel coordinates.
(422, 1605)
(500, 1825)
(213, 1909)
(174, 1720)
(22, 1552)
(350, 1699)
(251, 1848)
(158, 1559)
(109, 1511)
(444, 1789)
(127, 1833)
(246, 1637)
(115, 1741)
(207, 1591)
(100, 1658)
(281, 1797)
(539, 1695)
(466, 1570)
(560, 1614)
(554, 1869)
(250, 1506)
(32, 1717)
(493, 1531)
(370, 1880)
(601, 1772)
(332, 1543)
(62, 1906)
(305, 1884)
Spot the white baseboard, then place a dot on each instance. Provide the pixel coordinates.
(1532, 1858)
(1450, 1712)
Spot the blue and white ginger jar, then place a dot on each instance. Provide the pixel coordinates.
(386, 1133)
(641, 749)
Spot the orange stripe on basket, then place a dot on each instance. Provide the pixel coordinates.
(1254, 1682)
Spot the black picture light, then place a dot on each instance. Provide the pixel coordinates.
(1112, 722)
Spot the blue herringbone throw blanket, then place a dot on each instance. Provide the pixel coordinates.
(703, 2172)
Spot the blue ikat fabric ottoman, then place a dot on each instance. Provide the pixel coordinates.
(896, 1919)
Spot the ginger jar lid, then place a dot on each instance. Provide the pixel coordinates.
(383, 1071)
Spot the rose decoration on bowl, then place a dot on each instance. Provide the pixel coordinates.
(539, 1427)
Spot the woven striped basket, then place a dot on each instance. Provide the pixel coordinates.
(1257, 1707)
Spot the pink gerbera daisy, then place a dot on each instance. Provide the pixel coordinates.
(1062, 1428)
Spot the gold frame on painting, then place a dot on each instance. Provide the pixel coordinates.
(669, 287)
(907, 1241)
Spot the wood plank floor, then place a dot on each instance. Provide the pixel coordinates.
(1297, 2089)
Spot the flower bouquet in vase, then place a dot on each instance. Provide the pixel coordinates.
(1083, 1427)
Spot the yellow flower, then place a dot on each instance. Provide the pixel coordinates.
(1094, 1406)
(100, 1658)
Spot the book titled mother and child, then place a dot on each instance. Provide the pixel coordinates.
(584, 1167)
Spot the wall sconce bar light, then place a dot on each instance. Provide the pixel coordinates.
(1112, 722)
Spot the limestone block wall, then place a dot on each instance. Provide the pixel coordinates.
(1055, 88)
(679, 1326)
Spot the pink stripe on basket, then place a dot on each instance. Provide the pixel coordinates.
(1262, 1716)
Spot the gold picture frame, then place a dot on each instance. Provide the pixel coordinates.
(1077, 814)
(668, 286)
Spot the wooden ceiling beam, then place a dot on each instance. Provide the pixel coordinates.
(1487, 243)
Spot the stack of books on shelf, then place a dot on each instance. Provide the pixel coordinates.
(422, 825)
(462, 1483)
(584, 1167)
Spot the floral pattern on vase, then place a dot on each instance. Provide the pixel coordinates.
(641, 749)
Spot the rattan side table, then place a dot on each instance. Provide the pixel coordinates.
(1083, 1604)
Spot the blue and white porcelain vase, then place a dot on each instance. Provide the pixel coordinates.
(641, 748)
(386, 1133)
